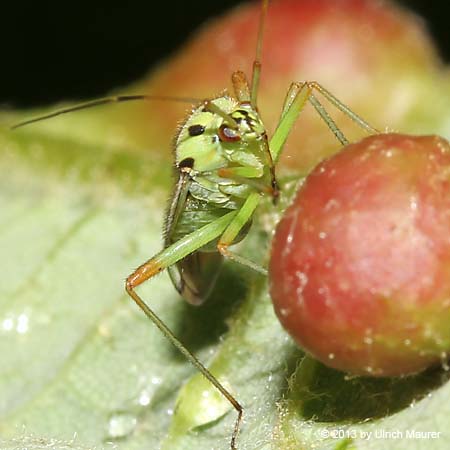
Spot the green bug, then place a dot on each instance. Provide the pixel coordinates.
(225, 164)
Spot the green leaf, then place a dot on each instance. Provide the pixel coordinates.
(82, 368)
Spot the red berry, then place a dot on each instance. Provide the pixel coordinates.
(360, 264)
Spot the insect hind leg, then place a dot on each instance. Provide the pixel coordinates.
(189, 356)
(167, 257)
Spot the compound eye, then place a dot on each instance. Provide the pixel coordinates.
(196, 130)
(227, 134)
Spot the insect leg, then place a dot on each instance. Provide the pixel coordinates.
(295, 101)
(167, 257)
(233, 229)
(296, 98)
(331, 124)
(246, 175)
(343, 108)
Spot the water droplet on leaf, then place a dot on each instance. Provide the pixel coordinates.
(121, 425)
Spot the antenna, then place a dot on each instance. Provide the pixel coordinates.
(256, 74)
(104, 101)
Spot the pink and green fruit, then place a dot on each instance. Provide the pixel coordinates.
(360, 264)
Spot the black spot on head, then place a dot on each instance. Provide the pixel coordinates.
(187, 162)
(196, 130)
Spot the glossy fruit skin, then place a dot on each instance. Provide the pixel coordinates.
(360, 264)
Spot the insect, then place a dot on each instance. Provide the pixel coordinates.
(225, 164)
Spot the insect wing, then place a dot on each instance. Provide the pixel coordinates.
(195, 276)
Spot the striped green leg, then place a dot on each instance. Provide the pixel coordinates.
(296, 98)
(167, 257)
(233, 229)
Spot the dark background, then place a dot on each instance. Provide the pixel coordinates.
(62, 50)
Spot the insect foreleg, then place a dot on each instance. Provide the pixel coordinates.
(295, 101)
(233, 229)
(296, 98)
(331, 124)
(343, 108)
(161, 261)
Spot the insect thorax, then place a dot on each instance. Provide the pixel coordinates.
(207, 145)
